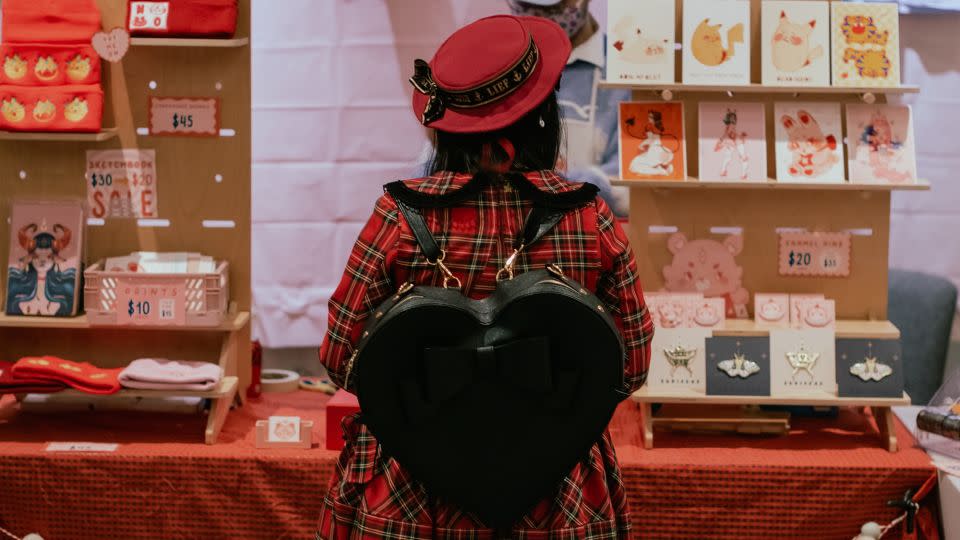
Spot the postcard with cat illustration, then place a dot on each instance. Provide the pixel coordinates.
(652, 146)
(795, 43)
(716, 42)
(865, 44)
(733, 143)
(880, 144)
(640, 41)
(809, 142)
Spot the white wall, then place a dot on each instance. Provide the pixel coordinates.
(332, 123)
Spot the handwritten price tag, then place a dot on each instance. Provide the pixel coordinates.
(196, 117)
(157, 303)
(814, 254)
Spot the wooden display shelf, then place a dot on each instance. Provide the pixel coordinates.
(755, 88)
(100, 136)
(233, 323)
(645, 398)
(189, 42)
(846, 329)
(694, 183)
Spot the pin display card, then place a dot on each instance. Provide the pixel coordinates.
(808, 139)
(866, 44)
(640, 41)
(880, 144)
(795, 43)
(738, 366)
(869, 368)
(733, 142)
(716, 42)
(678, 359)
(802, 362)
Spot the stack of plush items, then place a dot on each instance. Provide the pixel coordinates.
(163, 374)
(50, 79)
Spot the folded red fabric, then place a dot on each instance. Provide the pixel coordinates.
(40, 64)
(50, 21)
(183, 18)
(51, 108)
(11, 384)
(80, 375)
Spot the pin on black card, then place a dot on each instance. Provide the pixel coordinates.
(869, 368)
(738, 366)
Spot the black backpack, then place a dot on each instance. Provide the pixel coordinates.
(490, 403)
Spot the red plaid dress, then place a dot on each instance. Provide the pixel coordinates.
(371, 495)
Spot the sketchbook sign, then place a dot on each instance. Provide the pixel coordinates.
(122, 183)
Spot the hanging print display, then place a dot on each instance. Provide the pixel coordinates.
(866, 44)
(795, 41)
(640, 41)
(732, 142)
(808, 142)
(880, 139)
(652, 146)
(43, 268)
(716, 42)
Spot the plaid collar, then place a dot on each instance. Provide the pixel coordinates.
(445, 181)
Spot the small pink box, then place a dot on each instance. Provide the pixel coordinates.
(795, 300)
(341, 405)
(816, 313)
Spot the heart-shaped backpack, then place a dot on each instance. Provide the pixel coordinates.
(490, 403)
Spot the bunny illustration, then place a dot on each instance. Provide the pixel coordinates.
(814, 153)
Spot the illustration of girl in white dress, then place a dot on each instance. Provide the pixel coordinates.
(733, 145)
(657, 147)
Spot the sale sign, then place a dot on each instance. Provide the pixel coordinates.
(152, 304)
(814, 254)
(198, 117)
(122, 183)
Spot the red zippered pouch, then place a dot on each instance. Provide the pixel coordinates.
(51, 108)
(33, 64)
(50, 21)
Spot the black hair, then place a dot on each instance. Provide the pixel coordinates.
(657, 120)
(537, 147)
(730, 117)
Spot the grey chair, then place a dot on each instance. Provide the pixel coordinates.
(922, 306)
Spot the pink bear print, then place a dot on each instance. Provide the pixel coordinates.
(813, 152)
(708, 267)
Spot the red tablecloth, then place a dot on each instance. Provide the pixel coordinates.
(822, 481)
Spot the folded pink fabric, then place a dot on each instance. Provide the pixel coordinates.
(163, 374)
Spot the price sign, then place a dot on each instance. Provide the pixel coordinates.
(121, 183)
(814, 254)
(194, 117)
(149, 16)
(156, 303)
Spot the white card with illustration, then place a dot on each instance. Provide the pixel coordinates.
(808, 137)
(678, 359)
(880, 144)
(716, 42)
(803, 362)
(733, 143)
(640, 41)
(795, 42)
(865, 44)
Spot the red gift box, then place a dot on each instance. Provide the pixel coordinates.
(341, 405)
(182, 18)
(51, 108)
(31, 64)
(50, 21)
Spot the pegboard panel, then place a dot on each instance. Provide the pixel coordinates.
(759, 212)
(188, 169)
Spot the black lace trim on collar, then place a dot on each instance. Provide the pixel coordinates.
(566, 200)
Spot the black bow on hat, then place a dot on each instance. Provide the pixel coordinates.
(422, 80)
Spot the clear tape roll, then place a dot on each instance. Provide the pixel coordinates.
(279, 380)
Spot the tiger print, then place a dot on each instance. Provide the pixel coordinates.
(871, 34)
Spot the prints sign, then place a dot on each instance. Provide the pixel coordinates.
(154, 303)
(197, 117)
(122, 183)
